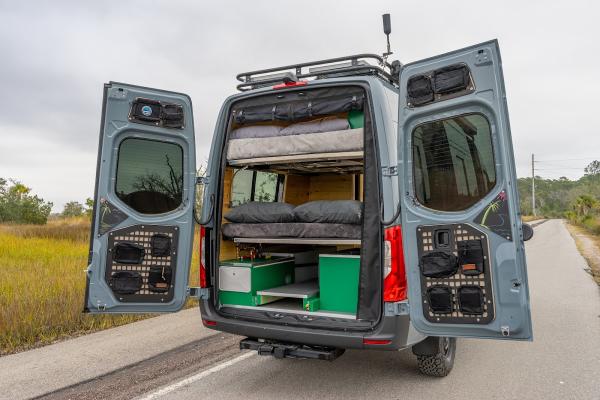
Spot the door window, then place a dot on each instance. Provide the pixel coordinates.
(150, 175)
(254, 186)
(453, 162)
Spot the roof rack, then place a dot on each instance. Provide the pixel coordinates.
(332, 67)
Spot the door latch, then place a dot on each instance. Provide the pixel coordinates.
(389, 171)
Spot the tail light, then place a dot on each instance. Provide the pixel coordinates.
(394, 278)
(202, 252)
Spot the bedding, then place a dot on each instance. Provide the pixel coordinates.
(330, 211)
(261, 212)
(292, 229)
(322, 142)
(255, 131)
(325, 124)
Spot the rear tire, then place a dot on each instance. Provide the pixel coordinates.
(439, 364)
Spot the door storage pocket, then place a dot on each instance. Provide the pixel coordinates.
(160, 245)
(125, 282)
(470, 257)
(159, 279)
(438, 264)
(128, 253)
(440, 299)
(470, 300)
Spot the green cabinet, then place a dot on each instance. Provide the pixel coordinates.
(240, 280)
(338, 282)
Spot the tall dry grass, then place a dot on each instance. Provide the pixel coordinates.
(42, 284)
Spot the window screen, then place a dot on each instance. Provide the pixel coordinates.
(150, 175)
(453, 162)
(253, 186)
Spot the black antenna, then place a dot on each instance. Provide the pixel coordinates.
(387, 29)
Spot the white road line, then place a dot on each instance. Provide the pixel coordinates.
(194, 378)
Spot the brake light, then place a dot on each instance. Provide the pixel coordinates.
(202, 269)
(290, 84)
(209, 323)
(394, 278)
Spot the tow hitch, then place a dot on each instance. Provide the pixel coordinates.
(291, 350)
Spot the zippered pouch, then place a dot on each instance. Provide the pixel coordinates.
(125, 282)
(440, 299)
(128, 253)
(438, 264)
(470, 300)
(470, 257)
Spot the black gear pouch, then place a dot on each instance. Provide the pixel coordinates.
(440, 299)
(125, 282)
(128, 253)
(160, 245)
(470, 257)
(420, 90)
(159, 279)
(438, 264)
(470, 300)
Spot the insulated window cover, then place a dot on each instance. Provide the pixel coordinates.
(128, 253)
(470, 256)
(125, 282)
(470, 299)
(440, 299)
(438, 264)
(419, 90)
(451, 79)
(160, 245)
(159, 279)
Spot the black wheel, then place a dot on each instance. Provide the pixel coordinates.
(439, 364)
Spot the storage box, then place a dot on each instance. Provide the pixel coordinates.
(239, 280)
(338, 282)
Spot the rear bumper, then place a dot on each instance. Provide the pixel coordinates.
(392, 333)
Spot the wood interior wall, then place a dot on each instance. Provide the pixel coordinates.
(331, 187)
(227, 248)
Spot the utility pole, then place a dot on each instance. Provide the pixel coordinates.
(533, 184)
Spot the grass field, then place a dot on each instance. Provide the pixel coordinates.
(42, 284)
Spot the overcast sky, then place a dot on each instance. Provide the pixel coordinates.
(55, 57)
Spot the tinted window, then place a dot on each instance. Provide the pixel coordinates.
(150, 175)
(453, 162)
(253, 186)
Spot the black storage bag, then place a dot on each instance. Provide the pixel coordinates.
(450, 79)
(440, 299)
(159, 279)
(125, 282)
(470, 257)
(438, 264)
(160, 245)
(470, 300)
(128, 253)
(419, 89)
(256, 212)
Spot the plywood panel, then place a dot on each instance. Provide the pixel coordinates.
(331, 187)
(361, 189)
(227, 248)
(296, 189)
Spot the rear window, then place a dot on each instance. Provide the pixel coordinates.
(149, 175)
(453, 162)
(253, 186)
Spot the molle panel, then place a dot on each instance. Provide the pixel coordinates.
(454, 238)
(156, 268)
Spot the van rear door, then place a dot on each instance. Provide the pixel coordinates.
(462, 233)
(143, 227)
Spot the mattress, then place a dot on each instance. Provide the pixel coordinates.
(292, 229)
(322, 142)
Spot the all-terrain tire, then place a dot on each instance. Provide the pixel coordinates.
(441, 363)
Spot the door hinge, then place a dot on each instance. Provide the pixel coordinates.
(202, 180)
(198, 293)
(390, 171)
(397, 308)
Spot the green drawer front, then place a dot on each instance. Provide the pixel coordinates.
(338, 281)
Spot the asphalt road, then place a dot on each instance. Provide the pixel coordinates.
(563, 362)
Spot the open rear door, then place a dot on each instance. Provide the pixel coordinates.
(462, 233)
(143, 227)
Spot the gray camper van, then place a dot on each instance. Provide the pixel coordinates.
(349, 203)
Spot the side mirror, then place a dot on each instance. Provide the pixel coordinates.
(527, 232)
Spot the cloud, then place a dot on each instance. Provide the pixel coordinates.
(57, 55)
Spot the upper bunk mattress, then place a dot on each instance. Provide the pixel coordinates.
(322, 142)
